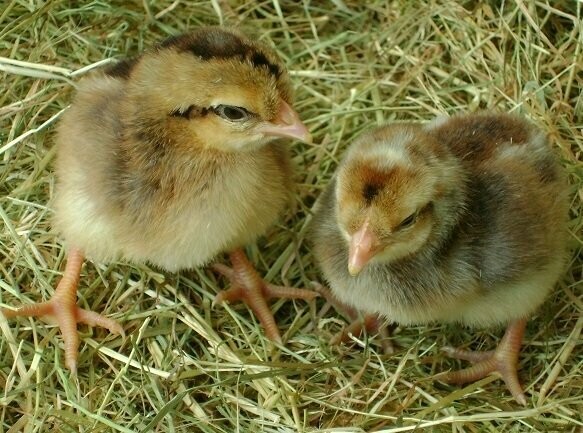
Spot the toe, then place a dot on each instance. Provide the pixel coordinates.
(92, 318)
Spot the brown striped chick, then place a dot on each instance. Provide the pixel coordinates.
(169, 158)
(462, 220)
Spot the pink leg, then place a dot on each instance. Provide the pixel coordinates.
(369, 323)
(249, 287)
(503, 360)
(63, 308)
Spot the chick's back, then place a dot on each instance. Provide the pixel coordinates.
(516, 208)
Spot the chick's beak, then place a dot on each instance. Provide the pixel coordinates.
(286, 124)
(362, 248)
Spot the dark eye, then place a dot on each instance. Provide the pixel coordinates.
(409, 221)
(232, 113)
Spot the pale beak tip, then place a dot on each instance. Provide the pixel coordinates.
(361, 249)
(355, 266)
(353, 270)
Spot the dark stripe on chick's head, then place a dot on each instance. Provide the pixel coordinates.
(259, 59)
(370, 191)
(210, 43)
(190, 112)
(122, 68)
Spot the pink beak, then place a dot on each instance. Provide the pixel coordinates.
(287, 124)
(362, 248)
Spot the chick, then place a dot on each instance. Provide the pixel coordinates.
(462, 220)
(169, 158)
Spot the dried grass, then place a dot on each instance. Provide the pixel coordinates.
(186, 366)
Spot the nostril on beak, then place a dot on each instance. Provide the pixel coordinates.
(287, 123)
(286, 114)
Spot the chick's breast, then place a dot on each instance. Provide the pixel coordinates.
(467, 222)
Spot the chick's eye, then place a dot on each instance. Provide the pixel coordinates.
(409, 221)
(232, 113)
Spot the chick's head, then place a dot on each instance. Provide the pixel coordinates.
(215, 88)
(395, 194)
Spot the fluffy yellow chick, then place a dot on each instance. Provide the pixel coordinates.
(169, 158)
(462, 220)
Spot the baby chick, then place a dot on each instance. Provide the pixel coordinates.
(462, 220)
(169, 158)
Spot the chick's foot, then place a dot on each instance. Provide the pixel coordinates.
(249, 287)
(503, 360)
(62, 309)
(358, 324)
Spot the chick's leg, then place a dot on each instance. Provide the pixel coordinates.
(503, 360)
(249, 287)
(358, 324)
(63, 309)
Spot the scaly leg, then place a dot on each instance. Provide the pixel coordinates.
(503, 360)
(249, 287)
(63, 308)
(358, 324)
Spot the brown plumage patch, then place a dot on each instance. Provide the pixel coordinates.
(370, 181)
(122, 68)
(215, 43)
(475, 138)
(258, 60)
(209, 44)
(370, 191)
(547, 169)
(190, 112)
